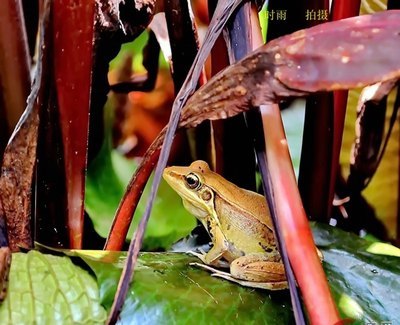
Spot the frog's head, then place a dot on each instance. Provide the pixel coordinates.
(189, 182)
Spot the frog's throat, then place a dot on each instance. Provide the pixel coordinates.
(201, 214)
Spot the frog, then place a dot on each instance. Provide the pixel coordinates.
(238, 222)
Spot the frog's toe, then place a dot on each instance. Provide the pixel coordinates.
(200, 256)
(209, 268)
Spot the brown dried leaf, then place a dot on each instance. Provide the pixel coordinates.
(16, 179)
(337, 55)
(19, 162)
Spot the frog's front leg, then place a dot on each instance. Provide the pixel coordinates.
(257, 271)
(213, 256)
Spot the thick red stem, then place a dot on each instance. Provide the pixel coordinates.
(294, 224)
(73, 38)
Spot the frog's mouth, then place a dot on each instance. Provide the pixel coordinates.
(173, 179)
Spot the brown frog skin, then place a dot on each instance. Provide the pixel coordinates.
(238, 222)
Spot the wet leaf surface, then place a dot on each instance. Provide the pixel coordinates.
(166, 289)
(366, 285)
(364, 277)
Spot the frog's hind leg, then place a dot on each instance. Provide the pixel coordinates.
(252, 284)
(258, 268)
(257, 271)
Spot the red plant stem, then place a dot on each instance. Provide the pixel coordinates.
(14, 62)
(183, 39)
(256, 41)
(294, 224)
(232, 135)
(344, 9)
(292, 220)
(73, 37)
(126, 209)
(340, 9)
(316, 156)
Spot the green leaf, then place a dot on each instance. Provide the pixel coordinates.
(365, 282)
(46, 289)
(383, 249)
(167, 290)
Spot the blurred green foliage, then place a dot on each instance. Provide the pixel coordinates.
(107, 178)
(135, 49)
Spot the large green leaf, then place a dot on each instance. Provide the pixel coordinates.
(364, 277)
(47, 289)
(364, 280)
(167, 290)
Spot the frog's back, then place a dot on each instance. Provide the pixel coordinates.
(245, 233)
(252, 203)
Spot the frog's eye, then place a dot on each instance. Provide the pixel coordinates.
(192, 181)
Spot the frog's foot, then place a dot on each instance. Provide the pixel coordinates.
(200, 256)
(259, 285)
(209, 268)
